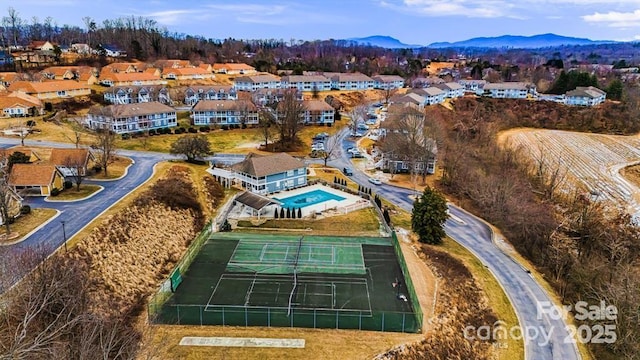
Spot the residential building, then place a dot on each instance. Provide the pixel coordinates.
(114, 51)
(387, 82)
(128, 118)
(432, 95)
(412, 99)
(47, 90)
(351, 81)
(306, 82)
(19, 105)
(172, 64)
(255, 82)
(318, 112)
(71, 162)
(127, 79)
(68, 72)
(138, 94)
(186, 73)
(14, 204)
(41, 45)
(30, 153)
(452, 90)
(35, 179)
(224, 112)
(6, 78)
(509, 90)
(426, 81)
(473, 86)
(83, 49)
(264, 97)
(266, 174)
(206, 67)
(233, 69)
(5, 58)
(193, 94)
(585, 96)
(119, 67)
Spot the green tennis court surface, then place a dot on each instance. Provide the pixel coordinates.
(283, 280)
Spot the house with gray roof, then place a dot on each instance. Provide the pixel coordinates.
(351, 81)
(451, 90)
(509, 90)
(432, 95)
(306, 82)
(387, 82)
(128, 118)
(193, 94)
(255, 82)
(473, 86)
(585, 96)
(224, 112)
(266, 174)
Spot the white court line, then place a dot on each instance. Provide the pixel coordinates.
(264, 248)
(248, 295)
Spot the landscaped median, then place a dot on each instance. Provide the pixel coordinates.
(74, 194)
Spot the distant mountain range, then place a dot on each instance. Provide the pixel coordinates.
(382, 41)
(505, 41)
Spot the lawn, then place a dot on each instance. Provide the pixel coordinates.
(358, 223)
(328, 174)
(73, 194)
(27, 223)
(116, 169)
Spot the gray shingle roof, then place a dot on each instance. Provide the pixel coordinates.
(263, 165)
(128, 110)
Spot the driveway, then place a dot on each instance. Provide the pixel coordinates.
(476, 236)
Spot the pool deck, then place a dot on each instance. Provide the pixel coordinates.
(337, 205)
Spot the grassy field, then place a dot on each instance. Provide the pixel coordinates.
(319, 343)
(73, 194)
(498, 300)
(116, 169)
(358, 223)
(27, 223)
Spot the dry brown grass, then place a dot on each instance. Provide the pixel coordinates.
(116, 169)
(358, 223)
(632, 173)
(73, 194)
(27, 223)
(319, 343)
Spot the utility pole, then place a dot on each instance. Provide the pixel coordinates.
(64, 235)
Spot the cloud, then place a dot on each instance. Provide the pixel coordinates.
(443, 8)
(615, 19)
(170, 17)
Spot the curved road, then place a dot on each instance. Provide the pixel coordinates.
(475, 235)
(471, 232)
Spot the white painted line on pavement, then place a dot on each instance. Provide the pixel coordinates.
(242, 342)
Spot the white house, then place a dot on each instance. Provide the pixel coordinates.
(451, 90)
(194, 94)
(432, 95)
(509, 90)
(129, 118)
(351, 81)
(255, 82)
(224, 112)
(585, 96)
(318, 112)
(473, 86)
(386, 82)
(306, 82)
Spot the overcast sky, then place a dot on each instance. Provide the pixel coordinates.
(411, 21)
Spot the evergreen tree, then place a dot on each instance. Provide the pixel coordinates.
(387, 217)
(428, 216)
(288, 213)
(299, 213)
(293, 213)
(281, 213)
(275, 214)
(614, 90)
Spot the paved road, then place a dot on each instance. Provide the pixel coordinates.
(474, 234)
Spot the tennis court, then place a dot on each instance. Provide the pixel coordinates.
(289, 280)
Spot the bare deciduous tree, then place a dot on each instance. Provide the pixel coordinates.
(106, 146)
(266, 120)
(289, 117)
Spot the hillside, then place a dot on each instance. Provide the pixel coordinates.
(518, 42)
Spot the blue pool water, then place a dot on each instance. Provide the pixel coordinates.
(307, 199)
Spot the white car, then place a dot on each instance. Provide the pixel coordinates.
(375, 181)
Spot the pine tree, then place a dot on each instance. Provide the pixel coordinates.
(428, 216)
(275, 214)
(299, 213)
(293, 213)
(281, 213)
(387, 217)
(288, 213)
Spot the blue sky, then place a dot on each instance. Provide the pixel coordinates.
(410, 21)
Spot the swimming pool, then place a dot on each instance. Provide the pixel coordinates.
(307, 199)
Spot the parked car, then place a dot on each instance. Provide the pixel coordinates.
(375, 181)
(347, 171)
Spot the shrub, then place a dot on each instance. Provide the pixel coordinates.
(68, 184)
(224, 127)
(225, 226)
(25, 209)
(244, 126)
(31, 123)
(193, 130)
(204, 129)
(97, 168)
(55, 192)
(126, 136)
(152, 132)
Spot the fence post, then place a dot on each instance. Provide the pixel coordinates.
(360, 321)
(268, 317)
(223, 323)
(314, 318)
(382, 322)
(403, 315)
(246, 320)
(178, 312)
(337, 320)
(200, 307)
(291, 318)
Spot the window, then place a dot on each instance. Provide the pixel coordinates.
(300, 181)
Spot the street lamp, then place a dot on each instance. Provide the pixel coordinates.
(64, 234)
